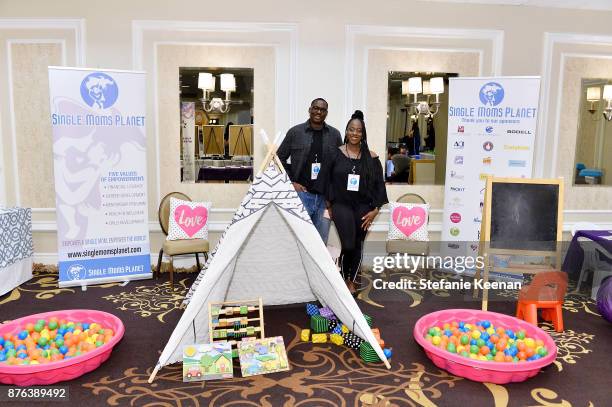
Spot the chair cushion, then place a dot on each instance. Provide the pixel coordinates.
(175, 247)
(407, 246)
(188, 220)
(408, 221)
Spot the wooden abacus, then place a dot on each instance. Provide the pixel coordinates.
(233, 320)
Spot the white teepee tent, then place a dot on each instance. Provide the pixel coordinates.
(270, 250)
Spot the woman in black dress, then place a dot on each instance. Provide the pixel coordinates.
(355, 194)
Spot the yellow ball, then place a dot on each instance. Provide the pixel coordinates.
(460, 348)
(476, 334)
(90, 340)
(490, 331)
(436, 340)
(473, 356)
(34, 362)
(529, 342)
(77, 332)
(482, 357)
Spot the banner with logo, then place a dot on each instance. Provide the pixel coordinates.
(187, 135)
(491, 130)
(98, 120)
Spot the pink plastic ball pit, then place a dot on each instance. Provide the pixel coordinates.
(476, 370)
(61, 370)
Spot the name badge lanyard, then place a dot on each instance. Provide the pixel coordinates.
(353, 181)
(315, 168)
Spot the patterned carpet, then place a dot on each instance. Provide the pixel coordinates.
(321, 374)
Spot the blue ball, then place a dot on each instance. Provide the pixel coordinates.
(510, 334)
(9, 345)
(85, 325)
(22, 335)
(63, 349)
(61, 331)
(461, 325)
(2, 357)
(388, 353)
(536, 356)
(490, 345)
(22, 355)
(473, 342)
(486, 324)
(448, 332)
(507, 352)
(47, 347)
(1, 340)
(484, 336)
(21, 347)
(71, 329)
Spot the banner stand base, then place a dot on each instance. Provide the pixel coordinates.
(123, 279)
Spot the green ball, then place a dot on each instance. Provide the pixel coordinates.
(53, 325)
(42, 341)
(520, 334)
(10, 352)
(542, 351)
(451, 348)
(77, 353)
(465, 339)
(489, 356)
(99, 343)
(474, 349)
(55, 351)
(494, 351)
(41, 322)
(45, 353)
(101, 332)
(465, 354)
(480, 343)
(516, 359)
(26, 362)
(39, 327)
(431, 331)
(63, 326)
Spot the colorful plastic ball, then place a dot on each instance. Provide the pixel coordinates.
(63, 350)
(2, 357)
(388, 353)
(22, 355)
(42, 341)
(21, 347)
(22, 335)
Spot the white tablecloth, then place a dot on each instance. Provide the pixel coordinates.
(16, 247)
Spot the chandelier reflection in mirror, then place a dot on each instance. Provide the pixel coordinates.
(594, 97)
(208, 82)
(415, 86)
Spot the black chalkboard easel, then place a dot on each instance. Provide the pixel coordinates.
(521, 217)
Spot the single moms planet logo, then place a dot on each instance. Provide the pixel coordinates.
(491, 94)
(99, 90)
(76, 272)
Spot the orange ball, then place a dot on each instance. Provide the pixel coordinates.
(29, 327)
(521, 355)
(484, 350)
(499, 357)
(35, 336)
(529, 352)
(521, 346)
(508, 358)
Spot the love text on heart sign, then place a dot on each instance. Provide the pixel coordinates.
(191, 220)
(408, 220)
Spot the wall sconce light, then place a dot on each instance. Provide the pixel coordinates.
(415, 85)
(594, 96)
(207, 82)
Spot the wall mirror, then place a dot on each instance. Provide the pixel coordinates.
(216, 124)
(593, 165)
(417, 122)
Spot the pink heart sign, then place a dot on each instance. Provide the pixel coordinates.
(408, 220)
(191, 220)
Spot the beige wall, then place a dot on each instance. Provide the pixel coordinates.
(307, 50)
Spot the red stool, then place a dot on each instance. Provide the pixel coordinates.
(546, 292)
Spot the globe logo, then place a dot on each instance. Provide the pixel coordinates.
(74, 272)
(316, 170)
(353, 181)
(99, 90)
(489, 129)
(491, 94)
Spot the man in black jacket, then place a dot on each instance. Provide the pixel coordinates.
(305, 152)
